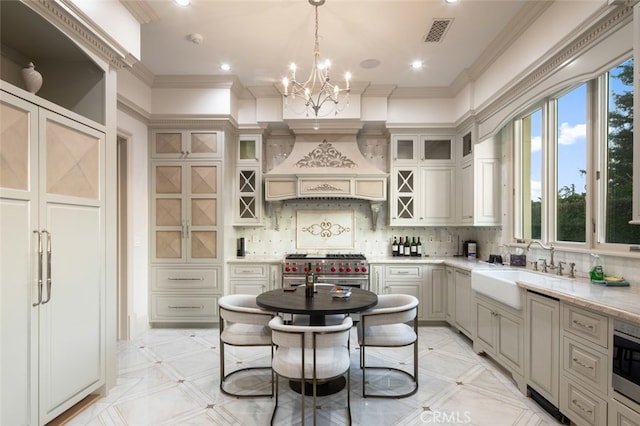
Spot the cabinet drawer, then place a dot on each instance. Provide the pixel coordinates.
(184, 308)
(585, 364)
(403, 271)
(587, 324)
(250, 271)
(185, 279)
(621, 415)
(580, 405)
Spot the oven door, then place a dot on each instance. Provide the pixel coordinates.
(344, 281)
(626, 365)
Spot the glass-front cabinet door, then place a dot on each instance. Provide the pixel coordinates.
(403, 199)
(436, 149)
(404, 149)
(249, 149)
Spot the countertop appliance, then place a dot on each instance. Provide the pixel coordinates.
(625, 377)
(350, 270)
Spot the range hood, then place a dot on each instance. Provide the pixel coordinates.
(326, 166)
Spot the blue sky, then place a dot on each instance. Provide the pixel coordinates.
(572, 142)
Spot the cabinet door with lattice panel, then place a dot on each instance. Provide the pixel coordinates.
(169, 221)
(202, 206)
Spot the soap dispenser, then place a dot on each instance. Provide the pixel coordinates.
(597, 273)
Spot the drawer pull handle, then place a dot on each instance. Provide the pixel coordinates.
(579, 406)
(402, 272)
(186, 307)
(579, 324)
(581, 364)
(186, 279)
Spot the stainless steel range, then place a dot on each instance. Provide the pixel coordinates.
(338, 269)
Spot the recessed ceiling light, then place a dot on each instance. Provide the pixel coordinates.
(183, 2)
(450, 1)
(369, 63)
(225, 67)
(416, 65)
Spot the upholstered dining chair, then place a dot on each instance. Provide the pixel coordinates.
(392, 323)
(243, 323)
(311, 355)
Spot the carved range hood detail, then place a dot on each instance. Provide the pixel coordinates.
(323, 166)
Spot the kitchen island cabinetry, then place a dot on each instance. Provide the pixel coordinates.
(53, 269)
(185, 228)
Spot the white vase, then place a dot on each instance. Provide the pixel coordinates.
(32, 78)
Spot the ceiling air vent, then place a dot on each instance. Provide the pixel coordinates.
(438, 29)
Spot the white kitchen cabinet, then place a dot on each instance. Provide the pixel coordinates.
(464, 303)
(404, 279)
(500, 334)
(621, 415)
(253, 278)
(248, 181)
(434, 295)
(52, 263)
(423, 180)
(585, 365)
(479, 186)
(450, 313)
(543, 346)
(182, 144)
(185, 234)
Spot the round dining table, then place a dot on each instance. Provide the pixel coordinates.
(294, 301)
(284, 300)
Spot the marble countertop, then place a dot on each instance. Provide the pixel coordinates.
(619, 302)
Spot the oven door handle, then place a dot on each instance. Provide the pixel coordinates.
(625, 336)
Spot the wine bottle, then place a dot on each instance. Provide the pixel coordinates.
(419, 248)
(309, 284)
(401, 248)
(407, 246)
(394, 247)
(414, 247)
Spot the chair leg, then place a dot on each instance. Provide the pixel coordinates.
(277, 391)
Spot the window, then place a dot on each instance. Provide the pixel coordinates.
(571, 165)
(531, 137)
(583, 135)
(619, 158)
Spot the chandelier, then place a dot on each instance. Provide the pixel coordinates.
(317, 90)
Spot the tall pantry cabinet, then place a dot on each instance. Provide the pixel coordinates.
(52, 259)
(186, 183)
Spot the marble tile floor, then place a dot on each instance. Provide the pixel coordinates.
(171, 377)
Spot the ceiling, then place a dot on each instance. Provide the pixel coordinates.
(375, 40)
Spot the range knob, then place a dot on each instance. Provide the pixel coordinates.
(318, 269)
(341, 269)
(356, 269)
(348, 269)
(364, 269)
(294, 269)
(333, 269)
(287, 269)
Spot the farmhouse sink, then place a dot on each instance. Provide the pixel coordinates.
(500, 284)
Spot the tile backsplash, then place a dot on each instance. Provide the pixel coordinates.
(436, 241)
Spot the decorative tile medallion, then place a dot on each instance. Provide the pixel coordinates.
(326, 155)
(325, 229)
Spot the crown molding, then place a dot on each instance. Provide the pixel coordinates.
(79, 27)
(613, 18)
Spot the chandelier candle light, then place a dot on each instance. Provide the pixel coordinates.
(317, 90)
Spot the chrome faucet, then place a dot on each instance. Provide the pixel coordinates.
(549, 248)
